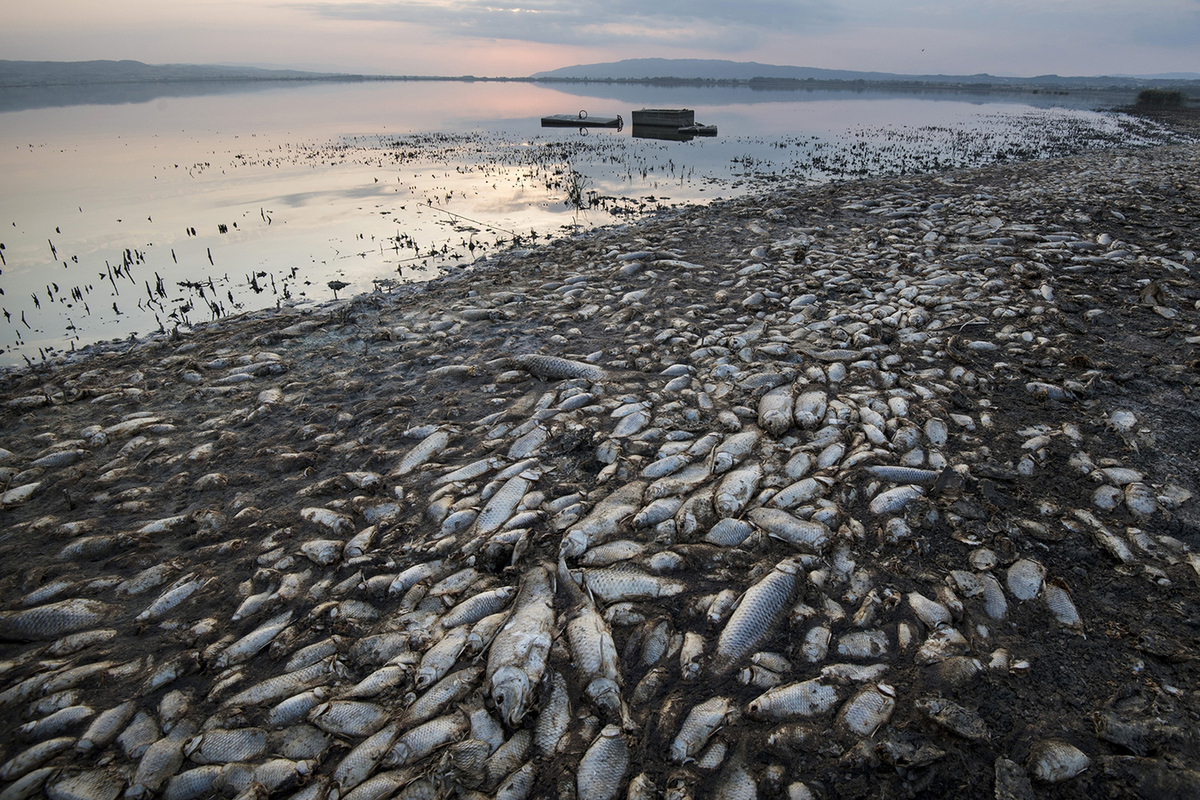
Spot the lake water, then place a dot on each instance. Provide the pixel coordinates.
(152, 207)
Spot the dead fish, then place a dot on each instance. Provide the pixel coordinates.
(893, 501)
(760, 609)
(358, 764)
(775, 411)
(429, 447)
(735, 490)
(594, 654)
(57, 722)
(175, 595)
(953, 717)
(49, 622)
(699, 725)
(106, 727)
(417, 743)
(517, 657)
(602, 523)
(280, 686)
(868, 710)
(219, 746)
(553, 367)
(810, 408)
(603, 766)
(732, 451)
(805, 535)
(1054, 761)
(33, 757)
(809, 698)
(625, 583)
(245, 648)
(161, 761)
(337, 523)
(349, 717)
(439, 659)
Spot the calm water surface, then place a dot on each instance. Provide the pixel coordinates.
(122, 218)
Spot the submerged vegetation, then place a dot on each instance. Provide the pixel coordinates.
(387, 209)
(1161, 97)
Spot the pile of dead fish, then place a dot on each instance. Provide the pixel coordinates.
(815, 497)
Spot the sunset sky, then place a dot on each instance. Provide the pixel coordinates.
(517, 38)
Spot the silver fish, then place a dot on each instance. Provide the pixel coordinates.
(809, 698)
(161, 761)
(357, 765)
(775, 411)
(429, 447)
(868, 710)
(518, 655)
(33, 757)
(732, 451)
(49, 622)
(106, 727)
(602, 523)
(417, 743)
(437, 698)
(245, 648)
(218, 746)
(555, 368)
(603, 766)
(624, 583)
(439, 659)
(349, 717)
(700, 724)
(761, 608)
(554, 716)
(805, 535)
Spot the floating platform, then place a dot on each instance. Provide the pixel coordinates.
(672, 124)
(582, 120)
(665, 117)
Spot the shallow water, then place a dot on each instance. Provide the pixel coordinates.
(120, 218)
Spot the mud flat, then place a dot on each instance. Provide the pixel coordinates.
(883, 488)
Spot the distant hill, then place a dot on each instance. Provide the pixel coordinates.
(717, 70)
(81, 75)
(75, 73)
(704, 69)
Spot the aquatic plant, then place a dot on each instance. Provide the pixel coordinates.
(1167, 98)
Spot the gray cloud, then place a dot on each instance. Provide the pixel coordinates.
(702, 24)
(1178, 29)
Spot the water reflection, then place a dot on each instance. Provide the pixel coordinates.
(26, 98)
(122, 219)
(668, 134)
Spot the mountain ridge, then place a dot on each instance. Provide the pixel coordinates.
(716, 69)
(51, 73)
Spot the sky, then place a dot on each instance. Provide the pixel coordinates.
(516, 38)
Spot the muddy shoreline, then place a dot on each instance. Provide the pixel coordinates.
(1026, 334)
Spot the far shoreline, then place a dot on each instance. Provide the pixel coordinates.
(1097, 86)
